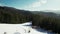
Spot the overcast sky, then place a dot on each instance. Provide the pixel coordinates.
(32, 5)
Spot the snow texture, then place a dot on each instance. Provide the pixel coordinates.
(18, 29)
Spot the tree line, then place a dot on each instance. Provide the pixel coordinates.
(48, 23)
(15, 16)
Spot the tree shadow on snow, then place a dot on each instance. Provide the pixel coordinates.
(44, 31)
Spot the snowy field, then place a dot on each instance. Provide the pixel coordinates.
(21, 28)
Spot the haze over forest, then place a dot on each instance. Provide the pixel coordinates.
(42, 13)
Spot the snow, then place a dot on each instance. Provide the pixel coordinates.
(18, 29)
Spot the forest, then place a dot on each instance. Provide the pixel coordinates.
(15, 16)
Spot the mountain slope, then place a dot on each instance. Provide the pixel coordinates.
(46, 14)
(12, 15)
(19, 28)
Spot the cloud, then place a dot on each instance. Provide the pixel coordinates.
(43, 1)
(35, 5)
(53, 9)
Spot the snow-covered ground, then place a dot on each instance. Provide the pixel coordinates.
(21, 28)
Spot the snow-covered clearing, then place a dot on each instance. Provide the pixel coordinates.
(21, 28)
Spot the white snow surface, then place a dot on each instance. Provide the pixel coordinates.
(21, 28)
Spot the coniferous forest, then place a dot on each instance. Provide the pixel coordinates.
(13, 16)
(46, 20)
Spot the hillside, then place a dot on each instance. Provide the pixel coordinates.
(21, 28)
(45, 20)
(13, 15)
(47, 14)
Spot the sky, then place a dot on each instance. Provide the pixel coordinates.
(32, 5)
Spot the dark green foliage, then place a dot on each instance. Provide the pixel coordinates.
(48, 23)
(42, 19)
(13, 16)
